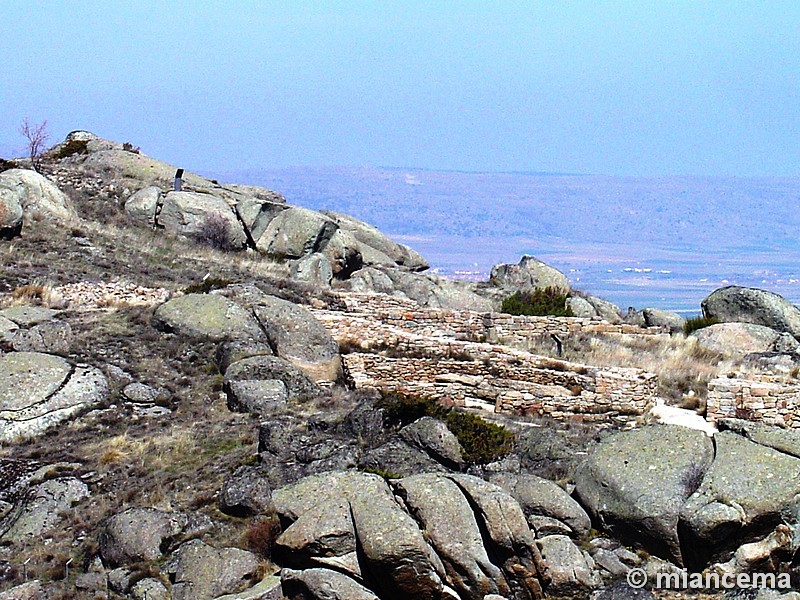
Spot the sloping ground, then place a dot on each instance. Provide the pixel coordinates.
(158, 484)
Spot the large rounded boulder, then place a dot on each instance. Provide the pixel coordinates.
(635, 484)
(198, 215)
(528, 274)
(752, 305)
(143, 206)
(206, 316)
(10, 214)
(37, 195)
(352, 519)
(750, 489)
(295, 232)
(655, 317)
(376, 247)
(294, 334)
(737, 339)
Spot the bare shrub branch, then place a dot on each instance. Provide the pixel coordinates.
(215, 232)
(36, 136)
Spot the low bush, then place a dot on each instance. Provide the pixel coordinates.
(696, 323)
(71, 148)
(215, 232)
(400, 409)
(538, 303)
(482, 442)
(261, 535)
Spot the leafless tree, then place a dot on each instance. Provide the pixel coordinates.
(37, 136)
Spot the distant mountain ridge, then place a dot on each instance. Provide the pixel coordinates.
(678, 237)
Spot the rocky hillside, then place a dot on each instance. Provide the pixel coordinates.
(208, 393)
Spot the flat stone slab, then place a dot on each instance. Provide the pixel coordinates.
(38, 391)
(49, 501)
(28, 316)
(207, 316)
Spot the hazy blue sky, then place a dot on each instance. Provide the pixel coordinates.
(591, 87)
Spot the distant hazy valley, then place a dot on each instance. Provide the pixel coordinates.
(664, 242)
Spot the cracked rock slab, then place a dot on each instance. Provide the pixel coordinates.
(566, 566)
(394, 551)
(635, 483)
(53, 337)
(451, 525)
(48, 502)
(203, 572)
(746, 493)
(28, 316)
(323, 584)
(38, 391)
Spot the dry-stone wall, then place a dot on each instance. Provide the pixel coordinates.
(773, 402)
(395, 346)
(477, 326)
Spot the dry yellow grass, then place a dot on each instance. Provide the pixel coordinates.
(682, 366)
(33, 294)
(119, 448)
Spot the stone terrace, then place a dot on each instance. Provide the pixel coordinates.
(396, 346)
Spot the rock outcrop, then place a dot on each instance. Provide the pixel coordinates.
(294, 334)
(193, 214)
(655, 317)
(635, 484)
(353, 523)
(376, 247)
(737, 339)
(336, 512)
(139, 534)
(240, 215)
(207, 316)
(10, 214)
(39, 391)
(752, 305)
(530, 273)
(425, 289)
(36, 195)
(201, 571)
(250, 383)
(540, 497)
(46, 504)
(748, 490)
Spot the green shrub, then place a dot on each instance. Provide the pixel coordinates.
(400, 409)
(483, 442)
(696, 323)
(539, 302)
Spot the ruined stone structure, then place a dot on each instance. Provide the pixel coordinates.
(511, 330)
(396, 346)
(770, 400)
